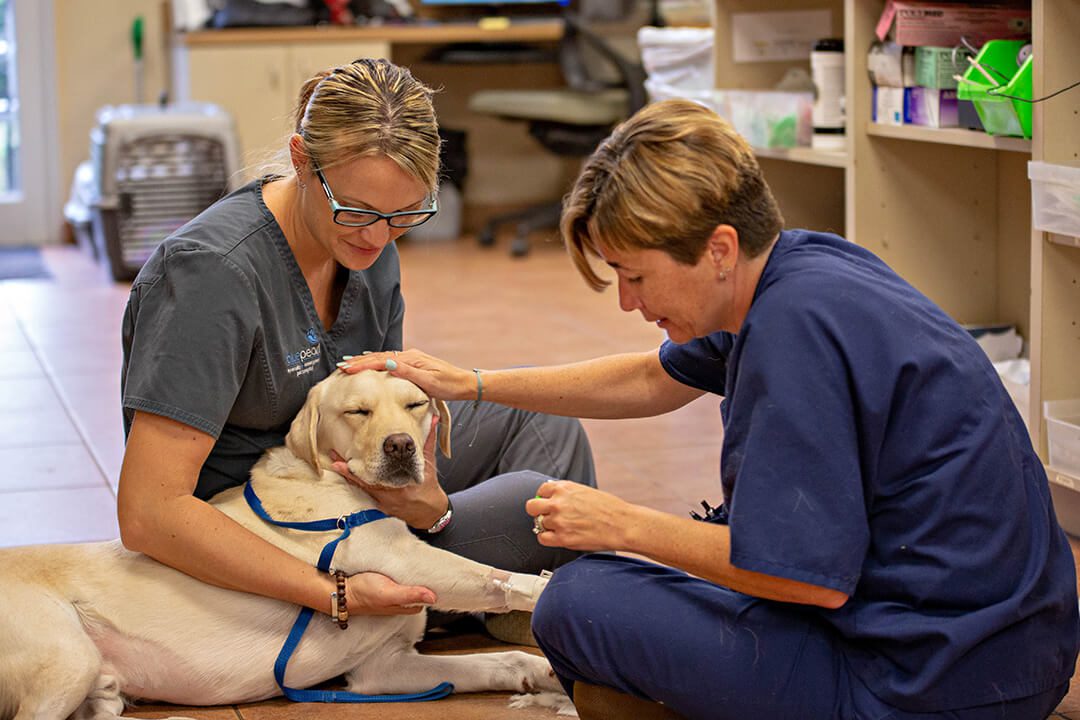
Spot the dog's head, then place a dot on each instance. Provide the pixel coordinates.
(377, 422)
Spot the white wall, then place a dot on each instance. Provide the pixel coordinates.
(95, 66)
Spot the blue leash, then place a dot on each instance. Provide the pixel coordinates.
(344, 523)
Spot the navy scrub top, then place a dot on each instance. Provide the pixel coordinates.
(221, 333)
(870, 447)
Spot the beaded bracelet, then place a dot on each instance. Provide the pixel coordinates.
(339, 605)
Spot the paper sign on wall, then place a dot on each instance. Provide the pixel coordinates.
(786, 35)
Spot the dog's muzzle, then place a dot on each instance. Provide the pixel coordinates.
(400, 464)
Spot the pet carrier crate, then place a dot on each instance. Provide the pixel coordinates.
(155, 168)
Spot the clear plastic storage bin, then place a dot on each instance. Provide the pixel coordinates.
(1055, 199)
(1063, 435)
(768, 118)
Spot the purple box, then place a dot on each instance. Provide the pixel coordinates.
(931, 107)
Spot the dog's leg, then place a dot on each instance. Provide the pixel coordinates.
(459, 584)
(408, 671)
(48, 665)
(103, 702)
(56, 683)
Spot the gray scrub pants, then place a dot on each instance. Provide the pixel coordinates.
(500, 457)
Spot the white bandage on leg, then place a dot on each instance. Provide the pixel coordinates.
(520, 591)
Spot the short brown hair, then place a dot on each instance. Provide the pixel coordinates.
(664, 180)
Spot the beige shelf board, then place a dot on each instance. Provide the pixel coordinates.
(950, 136)
(810, 156)
(1066, 240)
(1063, 479)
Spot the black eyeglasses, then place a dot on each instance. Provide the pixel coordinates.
(361, 217)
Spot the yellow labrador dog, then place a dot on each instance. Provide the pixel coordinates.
(82, 627)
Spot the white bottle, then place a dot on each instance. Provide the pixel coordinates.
(827, 70)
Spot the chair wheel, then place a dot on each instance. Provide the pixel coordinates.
(486, 238)
(520, 246)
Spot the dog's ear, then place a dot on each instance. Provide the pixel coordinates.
(445, 422)
(304, 430)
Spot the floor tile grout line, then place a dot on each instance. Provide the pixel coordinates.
(38, 489)
(66, 404)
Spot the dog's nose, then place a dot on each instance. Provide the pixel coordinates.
(399, 446)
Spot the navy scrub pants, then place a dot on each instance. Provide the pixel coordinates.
(710, 653)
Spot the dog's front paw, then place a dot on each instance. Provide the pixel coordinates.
(557, 701)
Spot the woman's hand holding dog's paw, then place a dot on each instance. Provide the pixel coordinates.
(374, 594)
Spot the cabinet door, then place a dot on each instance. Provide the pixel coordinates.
(306, 59)
(252, 83)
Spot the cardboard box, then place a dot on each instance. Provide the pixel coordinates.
(928, 107)
(937, 67)
(931, 107)
(889, 106)
(943, 24)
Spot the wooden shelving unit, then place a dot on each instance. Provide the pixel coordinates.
(950, 210)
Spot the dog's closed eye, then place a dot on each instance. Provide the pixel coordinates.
(411, 406)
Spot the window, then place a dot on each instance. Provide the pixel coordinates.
(9, 102)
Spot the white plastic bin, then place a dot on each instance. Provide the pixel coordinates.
(1063, 435)
(1055, 199)
(679, 58)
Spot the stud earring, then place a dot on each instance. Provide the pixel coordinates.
(724, 273)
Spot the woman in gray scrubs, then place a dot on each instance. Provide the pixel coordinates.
(245, 308)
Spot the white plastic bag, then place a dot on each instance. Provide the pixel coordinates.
(678, 56)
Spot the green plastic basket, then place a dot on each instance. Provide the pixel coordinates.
(1000, 115)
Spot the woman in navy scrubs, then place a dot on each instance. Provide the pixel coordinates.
(887, 546)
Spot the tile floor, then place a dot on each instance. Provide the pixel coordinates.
(61, 440)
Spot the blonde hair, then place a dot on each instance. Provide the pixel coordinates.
(370, 107)
(664, 180)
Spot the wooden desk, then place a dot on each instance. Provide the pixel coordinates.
(255, 73)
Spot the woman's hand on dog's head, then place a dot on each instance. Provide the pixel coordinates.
(437, 378)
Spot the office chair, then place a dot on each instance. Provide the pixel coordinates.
(605, 84)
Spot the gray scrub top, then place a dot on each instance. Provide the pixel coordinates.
(221, 333)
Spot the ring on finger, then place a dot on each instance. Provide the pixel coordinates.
(538, 525)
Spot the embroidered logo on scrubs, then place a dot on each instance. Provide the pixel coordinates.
(306, 359)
